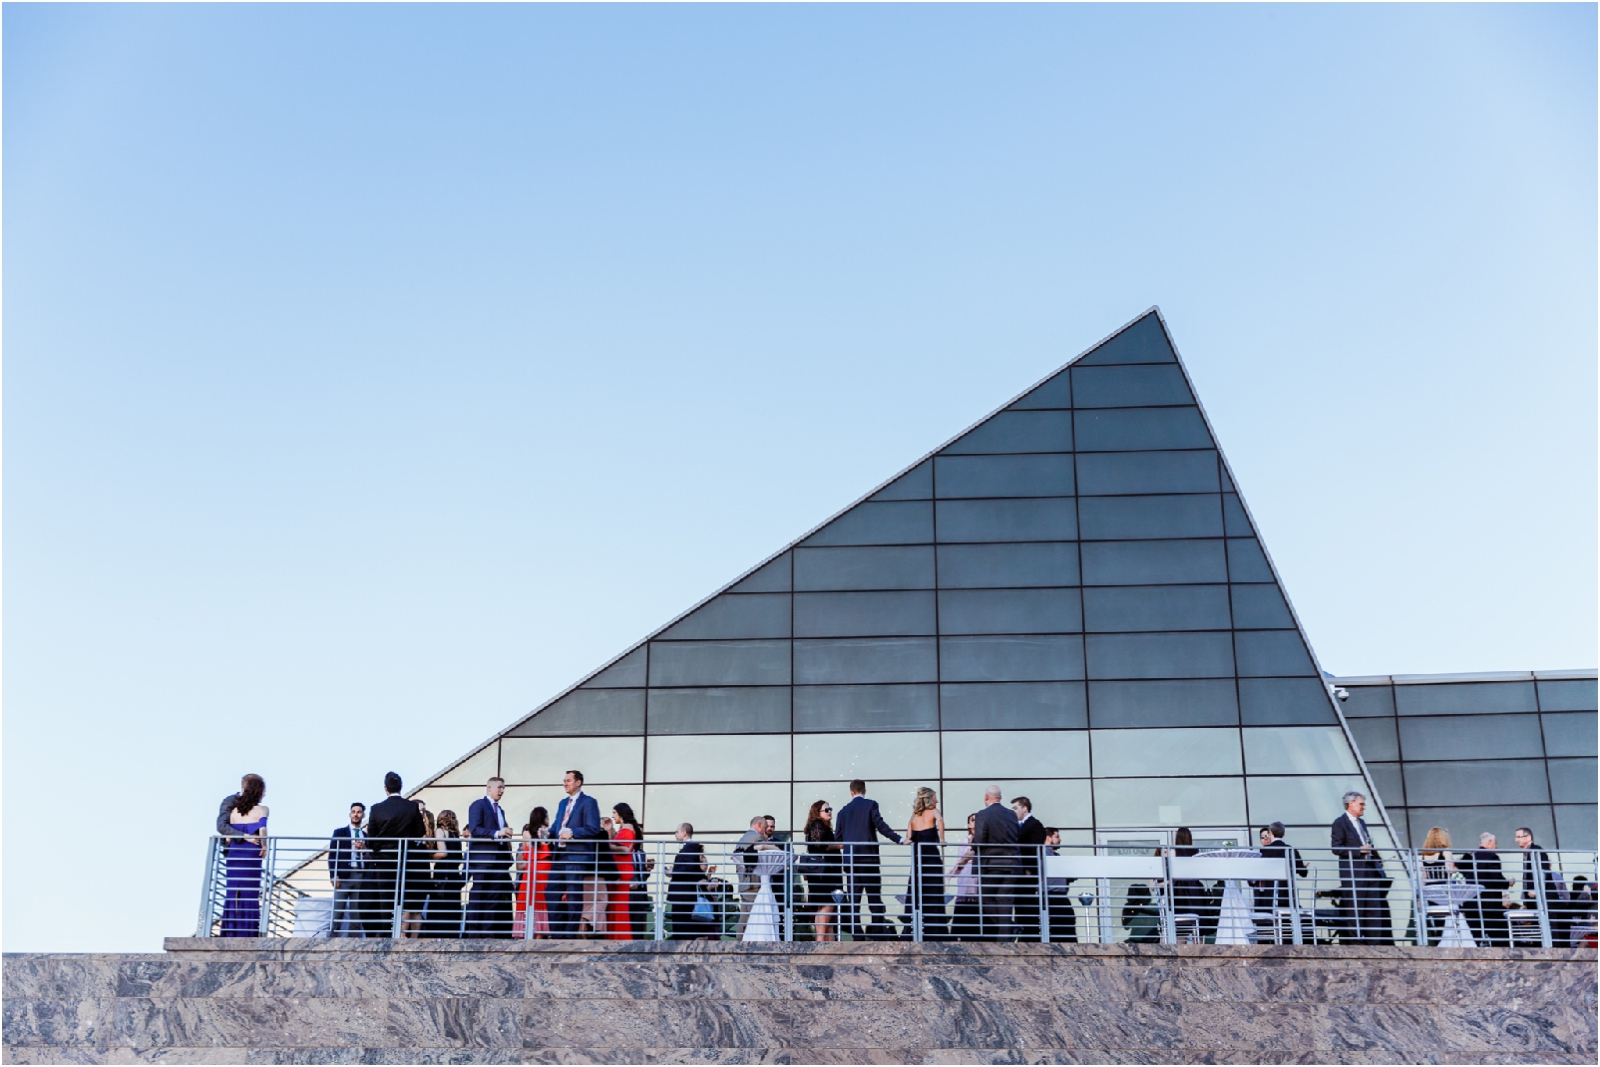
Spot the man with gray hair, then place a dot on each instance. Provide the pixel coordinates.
(1361, 877)
(744, 854)
(1486, 912)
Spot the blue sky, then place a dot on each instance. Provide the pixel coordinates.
(372, 373)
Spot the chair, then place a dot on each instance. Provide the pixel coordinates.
(1523, 924)
(1281, 922)
(1186, 928)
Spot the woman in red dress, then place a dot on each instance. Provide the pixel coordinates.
(533, 867)
(626, 834)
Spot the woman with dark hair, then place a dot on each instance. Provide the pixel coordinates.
(444, 902)
(533, 869)
(626, 903)
(1190, 896)
(824, 875)
(419, 876)
(241, 909)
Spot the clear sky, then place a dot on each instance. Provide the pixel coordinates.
(372, 373)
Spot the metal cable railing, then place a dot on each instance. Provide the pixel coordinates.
(791, 891)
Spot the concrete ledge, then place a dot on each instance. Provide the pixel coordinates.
(337, 1001)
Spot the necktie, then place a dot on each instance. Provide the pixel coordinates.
(500, 816)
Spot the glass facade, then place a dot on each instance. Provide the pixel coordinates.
(1069, 599)
(1481, 753)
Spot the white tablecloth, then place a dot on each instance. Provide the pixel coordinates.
(766, 921)
(1236, 923)
(1452, 895)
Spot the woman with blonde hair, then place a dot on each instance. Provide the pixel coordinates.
(926, 834)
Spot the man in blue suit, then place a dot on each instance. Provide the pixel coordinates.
(347, 862)
(860, 822)
(573, 890)
(489, 864)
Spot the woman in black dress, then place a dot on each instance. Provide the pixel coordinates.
(823, 873)
(926, 834)
(1190, 896)
(444, 898)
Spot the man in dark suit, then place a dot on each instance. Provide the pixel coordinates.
(1063, 917)
(859, 823)
(1275, 892)
(488, 834)
(394, 820)
(994, 837)
(1535, 868)
(1361, 877)
(1486, 912)
(1030, 842)
(347, 868)
(574, 887)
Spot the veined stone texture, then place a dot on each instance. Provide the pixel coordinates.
(381, 1001)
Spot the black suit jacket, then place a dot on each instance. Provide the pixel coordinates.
(1346, 844)
(995, 833)
(340, 855)
(1483, 868)
(394, 816)
(1280, 847)
(861, 822)
(1030, 831)
(1529, 892)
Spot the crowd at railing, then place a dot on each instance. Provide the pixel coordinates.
(399, 872)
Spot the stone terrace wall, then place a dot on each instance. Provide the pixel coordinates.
(691, 1002)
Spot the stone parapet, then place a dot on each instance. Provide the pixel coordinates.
(381, 1001)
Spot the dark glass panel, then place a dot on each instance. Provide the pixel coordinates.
(1141, 517)
(1234, 519)
(1129, 386)
(1575, 827)
(1466, 823)
(1008, 520)
(1153, 562)
(1165, 703)
(1246, 561)
(1435, 737)
(742, 710)
(1055, 392)
(874, 567)
(1272, 653)
(1008, 566)
(914, 484)
(1003, 476)
(1127, 473)
(1386, 780)
(1577, 695)
(1260, 607)
(1142, 342)
(715, 663)
(593, 712)
(1010, 611)
(1470, 782)
(830, 708)
(866, 659)
(1015, 431)
(1376, 738)
(1572, 781)
(1007, 659)
(1227, 480)
(771, 578)
(1131, 429)
(1013, 706)
(1201, 655)
(1367, 701)
(1467, 698)
(863, 614)
(1572, 734)
(1284, 702)
(626, 673)
(1155, 607)
(734, 616)
(899, 522)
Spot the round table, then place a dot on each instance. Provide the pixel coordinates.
(1236, 923)
(1452, 895)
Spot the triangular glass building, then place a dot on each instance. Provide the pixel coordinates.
(1068, 599)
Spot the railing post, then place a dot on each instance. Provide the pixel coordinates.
(658, 880)
(1169, 922)
(208, 882)
(1538, 858)
(1294, 899)
(399, 888)
(1411, 860)
(266, 891)
(1043, 889)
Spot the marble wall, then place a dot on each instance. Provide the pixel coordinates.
(548, 1002)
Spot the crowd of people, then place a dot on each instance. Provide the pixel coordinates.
(578, 873)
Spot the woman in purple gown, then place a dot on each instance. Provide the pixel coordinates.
(241, 911)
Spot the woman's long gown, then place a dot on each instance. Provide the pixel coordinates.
(618, 925)
(241, 910)
(927, 884)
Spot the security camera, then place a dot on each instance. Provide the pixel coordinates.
(1341, 693)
